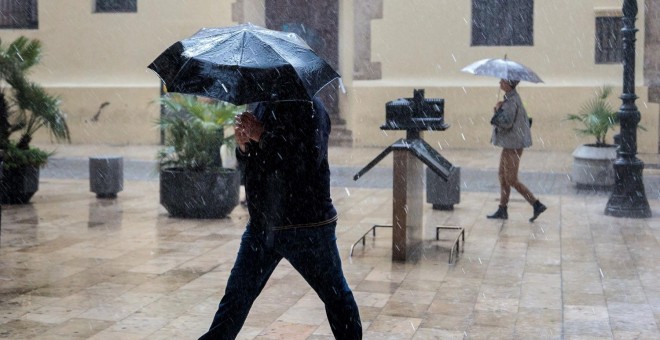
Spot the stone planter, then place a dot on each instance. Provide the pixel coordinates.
(106, 176)
(443, 195)
(17, 186)
(593, 166)
(190, 194)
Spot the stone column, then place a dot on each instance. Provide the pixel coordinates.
(407, 205)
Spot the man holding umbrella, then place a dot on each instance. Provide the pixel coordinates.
(283, 145)
(283, 148)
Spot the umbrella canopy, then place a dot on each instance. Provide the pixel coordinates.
(503, 69)
(243, 64)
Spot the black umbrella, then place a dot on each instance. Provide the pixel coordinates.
(243, 64)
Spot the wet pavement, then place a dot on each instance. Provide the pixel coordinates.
(76, 267)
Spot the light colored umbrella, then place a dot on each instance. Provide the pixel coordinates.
(503, 69)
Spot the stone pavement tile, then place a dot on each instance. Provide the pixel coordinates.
(394, 326)
(419, 296)
(262, 313)
(632, 317)
(448, 307)
(432, 333)
(53, 314)
(285, 330)
(405, 309)
(186, 326)
(585, 320)
(624, 291)
(452, 321)
(489, 332)
(23, 329)
(538, 323)
(494, 318)
(179, 302)
(309, 310)
(424, 280)
(79, 328)
(595, 329)
(542, 253)
(376, 287)
(459, 290)
(577, 297)
(139, 324)
(323, 331)
(540, 295)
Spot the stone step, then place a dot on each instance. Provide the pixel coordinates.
(340, 136)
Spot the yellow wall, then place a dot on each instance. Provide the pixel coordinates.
(91, 58)
(95, 58)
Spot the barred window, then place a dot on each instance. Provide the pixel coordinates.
(502, 22)
(116, 6)
(19, 14)
(609, 43)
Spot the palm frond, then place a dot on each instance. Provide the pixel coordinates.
(28, 107)
(597, 116)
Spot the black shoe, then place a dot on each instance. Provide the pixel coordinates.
(538, 209)
(500, 213)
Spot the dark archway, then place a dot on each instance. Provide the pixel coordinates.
(316, 21)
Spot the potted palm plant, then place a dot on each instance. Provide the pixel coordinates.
(25, 108)
(593, 162)
(193, 182)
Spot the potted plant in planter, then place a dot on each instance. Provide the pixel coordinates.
(593, 163)
(24, 109)
(193, 182)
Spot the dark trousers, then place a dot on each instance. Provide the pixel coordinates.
(313, 253)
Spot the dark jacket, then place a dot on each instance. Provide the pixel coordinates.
(287, 176)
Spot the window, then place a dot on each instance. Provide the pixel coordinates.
(19, 14)
(502, 22)
(609, 43)
(116, 6)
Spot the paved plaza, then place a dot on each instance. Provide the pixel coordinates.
(76, 267)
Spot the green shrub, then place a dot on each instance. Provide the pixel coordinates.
(194, 132)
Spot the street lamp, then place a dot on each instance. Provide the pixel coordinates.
(628, 198)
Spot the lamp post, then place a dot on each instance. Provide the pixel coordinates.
(628, 198)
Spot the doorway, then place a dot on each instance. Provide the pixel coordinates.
(317, 22)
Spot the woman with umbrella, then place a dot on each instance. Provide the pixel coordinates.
(511, 128)
(511, 132)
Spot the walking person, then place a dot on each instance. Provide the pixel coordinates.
(511, 132)
(283, 146)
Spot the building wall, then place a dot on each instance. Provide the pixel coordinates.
(92, 58)
(387, 48)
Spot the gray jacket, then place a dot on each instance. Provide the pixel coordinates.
(511, 124)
